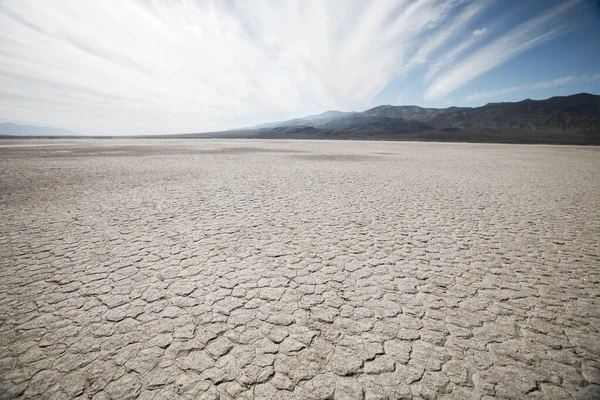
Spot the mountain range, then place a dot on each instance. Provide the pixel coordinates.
(571, 119)
(11, 130)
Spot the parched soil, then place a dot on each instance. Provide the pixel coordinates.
(240, 269)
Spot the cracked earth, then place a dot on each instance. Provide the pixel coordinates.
(134, 269)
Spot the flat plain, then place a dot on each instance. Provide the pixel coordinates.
(239, 269)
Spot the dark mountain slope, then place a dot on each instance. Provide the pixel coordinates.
(567, 119)
(580, 113)
(407, 112)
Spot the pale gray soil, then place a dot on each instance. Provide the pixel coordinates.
(298, 269)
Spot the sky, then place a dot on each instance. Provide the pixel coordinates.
(119, 67)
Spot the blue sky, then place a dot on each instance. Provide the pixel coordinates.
(171, 66)
(566, 64)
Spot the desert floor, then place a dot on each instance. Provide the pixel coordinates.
(164, 269)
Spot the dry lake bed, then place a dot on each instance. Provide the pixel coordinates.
(240, 269)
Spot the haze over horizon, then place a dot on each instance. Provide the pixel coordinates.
(156, 67)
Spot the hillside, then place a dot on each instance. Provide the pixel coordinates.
(571, 119)
(559, 120)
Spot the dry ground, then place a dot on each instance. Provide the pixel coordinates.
(298, 269)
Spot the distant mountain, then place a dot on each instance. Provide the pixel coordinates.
(309, 120)
(560, 120)
(579, 113)
(8, 129)
(408, 112)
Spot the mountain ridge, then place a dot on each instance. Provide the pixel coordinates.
(308, 119)
(573, 119)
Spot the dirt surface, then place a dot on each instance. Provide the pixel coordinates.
(164, 269)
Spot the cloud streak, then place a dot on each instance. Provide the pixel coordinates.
(177, 66)
(520, 39)
(565, 80)
(156, 66)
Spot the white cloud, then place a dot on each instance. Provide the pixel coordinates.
(533, 86)
(448, 32)
(437, 66)
(480, 32)
(156, 66)
(520, 39)
(177, 66)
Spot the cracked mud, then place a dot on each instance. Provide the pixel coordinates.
(298, 270)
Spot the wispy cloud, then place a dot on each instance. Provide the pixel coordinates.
(520, 39)
(441, 62)
(155, 66)
(449, 31)
(571, 79)
(480, 32)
